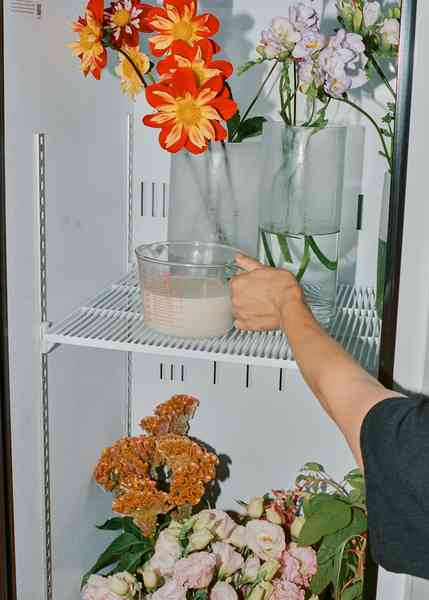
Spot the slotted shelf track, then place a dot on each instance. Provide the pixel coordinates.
(114, 320)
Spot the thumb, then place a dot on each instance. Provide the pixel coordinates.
(247, 263)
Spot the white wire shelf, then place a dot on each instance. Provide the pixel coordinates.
(114, 320)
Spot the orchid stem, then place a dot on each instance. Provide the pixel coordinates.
(382, 75)
(373, 121)
(256, 98)
(139, 75)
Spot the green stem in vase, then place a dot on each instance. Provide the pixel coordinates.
(305, 260)
(329, 264)
(284, 247)
(267, 249)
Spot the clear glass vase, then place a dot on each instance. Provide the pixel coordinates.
(301, 201)
(214, 197)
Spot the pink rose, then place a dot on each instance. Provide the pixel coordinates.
(196, 571)
(172, 590)
(290, 570)
(223, 591)
(307, 558)
(251, 568)
(223, 524)
(228, 560)
(285, 590)
(167, 551)
(97, 588)
(265, 539)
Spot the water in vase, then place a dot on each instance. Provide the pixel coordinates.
(313, 259)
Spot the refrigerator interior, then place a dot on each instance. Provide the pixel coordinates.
(86, 183)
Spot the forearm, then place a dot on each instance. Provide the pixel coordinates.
(344, 389)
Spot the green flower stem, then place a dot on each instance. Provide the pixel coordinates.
(374, 122)
(284, 247)
(305, 260)
(329, 264)
(256, 98)
(267, 249)
(382, 75)
(132, 63)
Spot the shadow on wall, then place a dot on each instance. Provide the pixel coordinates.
(238, 39)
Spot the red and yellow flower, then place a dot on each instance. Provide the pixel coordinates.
(125, 19)
(90, 49)
(131, 83)
(176, 21)
(199, 59)
(189, 115)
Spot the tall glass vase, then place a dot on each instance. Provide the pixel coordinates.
(301, 208)
(214, 197)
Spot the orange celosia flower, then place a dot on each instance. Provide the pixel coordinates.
(199, 59)
(131, 468)
(89, 49)
(189, 116)
(125, 19)
(178, 20)
(130, 81)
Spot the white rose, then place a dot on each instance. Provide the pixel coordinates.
(150, 578)
(123, 584)
(265, 539)
(228, 560)
(199, 540)
(269, 569)
(296, 527)
(167, 551)
(255, 508)
(251, 569)
(237, 537)
(273, 516)
(261, 591)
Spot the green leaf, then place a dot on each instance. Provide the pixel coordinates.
(248, 65)
(112, 524)
(200, 595)
(130, 561)
(332, 542)
(131, 527)
(313, 466)
(354, 592)
(113, 553)
(250, 128)
(233, 124)
(320, 581)
(338, 568)
(328, 518)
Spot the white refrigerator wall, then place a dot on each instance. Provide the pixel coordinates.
(264, 433)
(85, 123)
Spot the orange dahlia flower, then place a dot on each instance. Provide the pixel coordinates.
(199, 59)
(131, 83)
(90, 49)
(125, 19)
(189, 116)
(178, 20)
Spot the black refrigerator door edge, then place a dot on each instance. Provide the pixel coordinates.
(7, 554)
(397, 193)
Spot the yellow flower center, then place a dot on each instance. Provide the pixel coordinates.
(121, 17)
(188, 113)
(88, 38)
(183, 30)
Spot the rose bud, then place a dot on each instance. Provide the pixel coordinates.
(199, 540)
(296, 527)
(269, 569)
(273, 516)
(255, 508)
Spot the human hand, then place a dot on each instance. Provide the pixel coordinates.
(260, 294)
